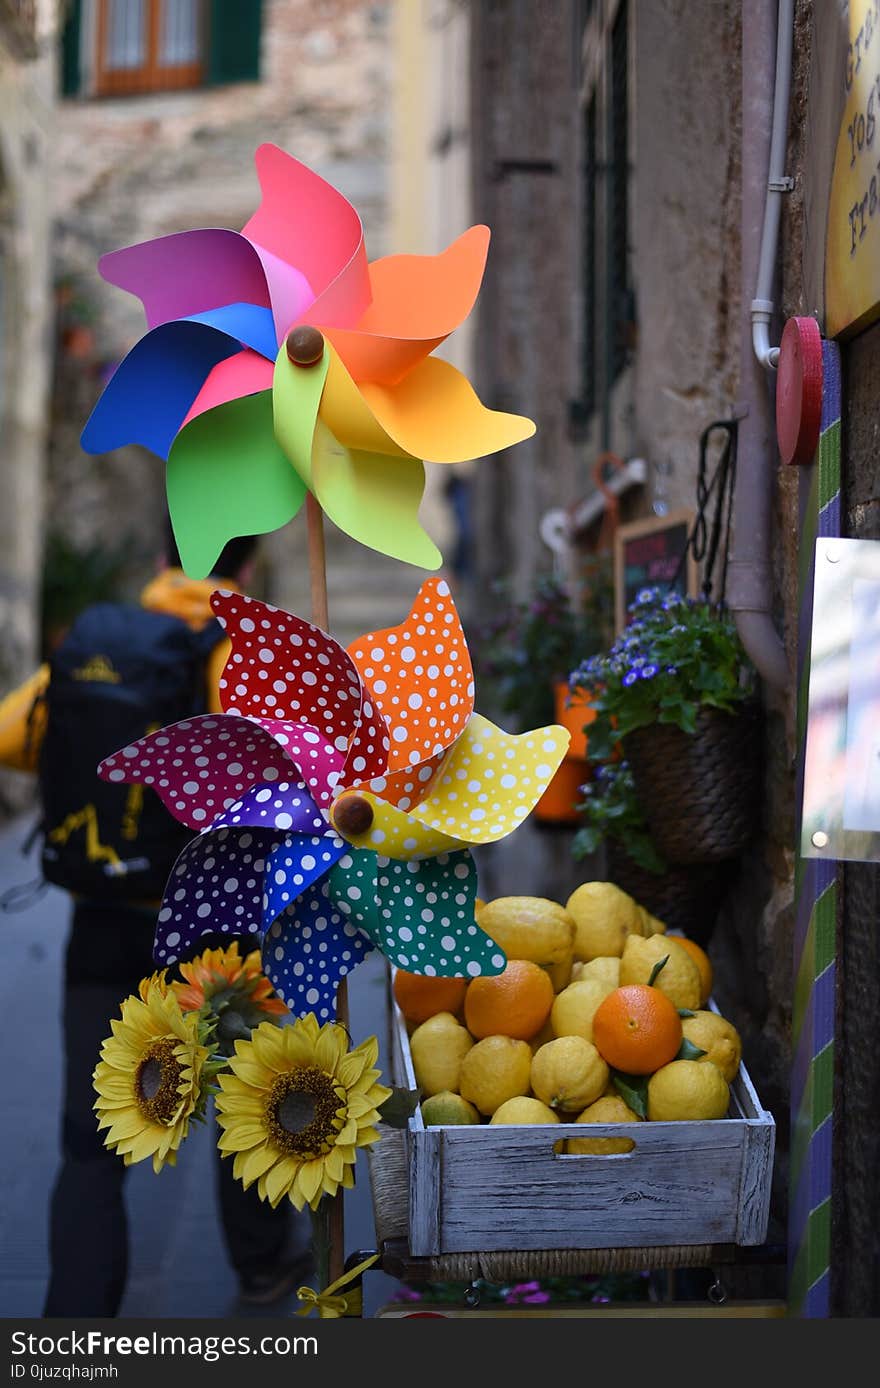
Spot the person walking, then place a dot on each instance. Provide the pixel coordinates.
(63, 718)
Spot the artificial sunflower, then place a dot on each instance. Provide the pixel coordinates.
(219, 983)
(153, 1076)
(295, 1105)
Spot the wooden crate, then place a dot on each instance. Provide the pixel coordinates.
(494, 1189)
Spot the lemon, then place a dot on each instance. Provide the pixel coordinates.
(438, 1047)
(718, 1038)
(650, 924)
(604, 917)
(524, 1110)
(679, 978)
(494, 1070)
(605, 967)
(687, 1089)
(608, 1109)
(446, 1108)
(573, 1008)
(533, 928)
(568, 1073)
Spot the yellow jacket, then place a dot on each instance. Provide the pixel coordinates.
(170, 592)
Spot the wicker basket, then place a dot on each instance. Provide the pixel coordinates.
(699, 791)
(686, 897)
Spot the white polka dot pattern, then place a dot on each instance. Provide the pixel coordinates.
(215, 885)
(397, 834)
(423, 913)
(308, 950)
(282, 805)
(420, 676)
(283, 667)
(292, 867)
(492, 780)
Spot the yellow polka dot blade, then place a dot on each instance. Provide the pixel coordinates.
(492, 780)
(397, 834)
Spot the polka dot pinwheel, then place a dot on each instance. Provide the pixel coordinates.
(279, 361)
(336, 798)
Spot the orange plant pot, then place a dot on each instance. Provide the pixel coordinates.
(574, 717)
(557, 804)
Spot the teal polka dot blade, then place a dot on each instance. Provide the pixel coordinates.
(425, 918)
(351, 884)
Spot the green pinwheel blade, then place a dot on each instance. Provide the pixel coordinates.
(296, 395)
(227, 476)
(374, 498)
(420, 914)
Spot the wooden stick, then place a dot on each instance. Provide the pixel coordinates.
(320, 617)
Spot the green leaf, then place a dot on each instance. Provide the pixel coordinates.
(399, 1107)
(656, 969)
(686, 1012)
(633, 1089)
(688, 1051)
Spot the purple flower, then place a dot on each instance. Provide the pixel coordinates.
(600, 1299)
(537, 1297)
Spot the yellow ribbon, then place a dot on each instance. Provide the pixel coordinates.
(330, 1306)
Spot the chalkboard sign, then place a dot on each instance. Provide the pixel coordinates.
(648, 554)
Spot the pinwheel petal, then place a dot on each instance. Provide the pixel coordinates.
(417, 301)
(373, 498)
(296, 395)
(249, 324)
(434, 413)
(347, 414)
(188, 272)
(305, 222)
(313, 678)
(398, 834)
(245, 373)
(215, 885)
(201, 766)
(408, 788)
(293, 866)
(308, 950)
(420, 676)
(148, 396)
(227, 476)
(491, 780)
(283, 806)
(351, 886)
(426, 918)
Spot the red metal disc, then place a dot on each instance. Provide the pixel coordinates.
(799, 390)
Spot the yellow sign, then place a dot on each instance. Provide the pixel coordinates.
(852, 253)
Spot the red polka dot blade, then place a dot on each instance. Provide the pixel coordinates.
(799, 391)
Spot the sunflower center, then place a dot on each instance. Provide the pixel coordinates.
(156, 1083)
(304, 1112)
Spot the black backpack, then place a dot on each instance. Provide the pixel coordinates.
(119, 673)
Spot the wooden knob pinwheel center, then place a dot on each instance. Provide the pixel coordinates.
(352, 815)
(305, 346)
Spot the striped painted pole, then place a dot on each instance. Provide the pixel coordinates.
(809, 1219)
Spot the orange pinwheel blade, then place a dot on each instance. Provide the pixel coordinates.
(417, 301)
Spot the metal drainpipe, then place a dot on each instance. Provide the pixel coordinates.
(749, 571)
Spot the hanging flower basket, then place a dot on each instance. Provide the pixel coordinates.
(699, 791)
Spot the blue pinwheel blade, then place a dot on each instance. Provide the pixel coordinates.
(293, 866)
(308, 950)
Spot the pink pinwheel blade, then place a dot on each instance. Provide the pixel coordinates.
(246, 373)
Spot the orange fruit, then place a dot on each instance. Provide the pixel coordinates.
(703, 963)
(637, 1029)
(420, 997)
(514, 1003)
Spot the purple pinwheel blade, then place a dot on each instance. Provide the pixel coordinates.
(308, 950)
(292, 867)
(188, 272)
(152, 389)
(283, 805)
(216, 885)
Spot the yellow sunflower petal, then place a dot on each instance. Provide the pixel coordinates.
(255, 1163)
(240, 1136)
(330, 1048)
(279, 1178)
(311, 1178)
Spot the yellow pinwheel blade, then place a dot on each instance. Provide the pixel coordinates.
(492, 780)
(396, 834)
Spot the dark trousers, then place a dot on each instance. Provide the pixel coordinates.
(108, 952)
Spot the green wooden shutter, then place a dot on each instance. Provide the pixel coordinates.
(233, 41)
(70, 40)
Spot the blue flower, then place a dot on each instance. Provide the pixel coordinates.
(650, 671)
(630, 678)
(672, 669)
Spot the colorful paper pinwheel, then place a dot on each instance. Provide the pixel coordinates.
(223, 388)
(336, 798)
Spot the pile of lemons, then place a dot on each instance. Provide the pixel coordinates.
(599, 1017)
